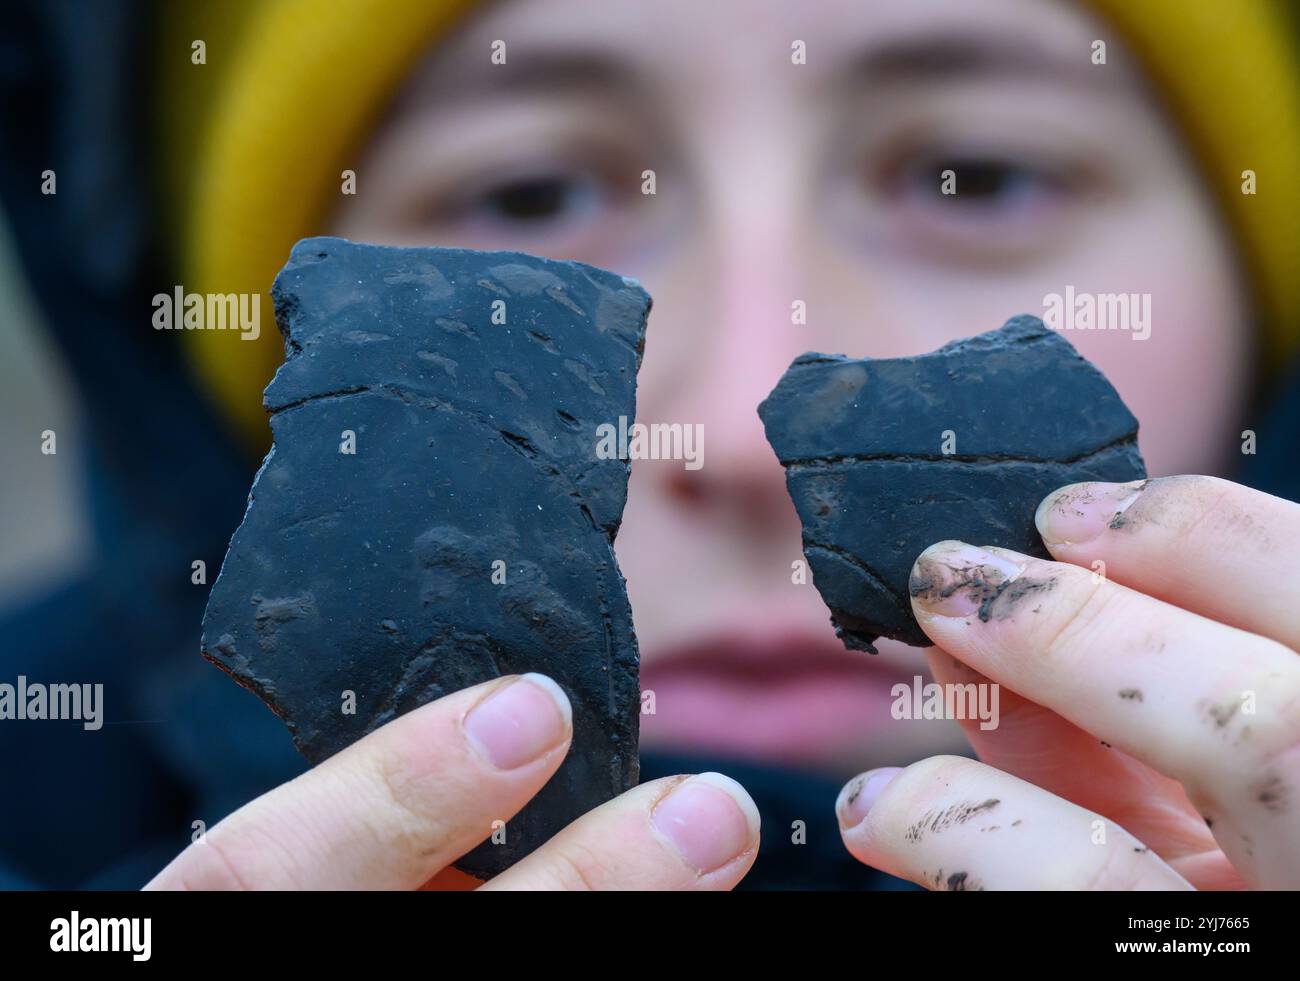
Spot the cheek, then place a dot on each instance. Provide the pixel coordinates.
(1186, 382)
(1185, 396)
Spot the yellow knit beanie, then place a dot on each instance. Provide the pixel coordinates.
(261, 133)
(259, 136)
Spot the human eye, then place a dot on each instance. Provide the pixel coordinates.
(963, 200)
(529, 202)
(955, 197)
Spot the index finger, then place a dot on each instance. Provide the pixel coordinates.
(1208, 545)
(1214, 707)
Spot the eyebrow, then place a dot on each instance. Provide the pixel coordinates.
(931, 58)
(926, 57)
(545, 71)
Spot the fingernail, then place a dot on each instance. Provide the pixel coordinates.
(709, 819)
(1078, 513)
(953, 579)
(520, 721)
(860, 793)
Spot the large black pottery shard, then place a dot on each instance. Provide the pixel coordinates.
(863, 441)
(372, 572)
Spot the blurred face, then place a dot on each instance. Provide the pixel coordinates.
(820, 182)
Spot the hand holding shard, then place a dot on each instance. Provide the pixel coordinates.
(884, 458)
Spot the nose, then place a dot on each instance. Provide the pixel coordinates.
(745, 339)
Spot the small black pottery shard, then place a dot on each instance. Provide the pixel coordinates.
(433, 513)
(883, 458)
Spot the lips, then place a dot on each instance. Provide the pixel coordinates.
(793, 697)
